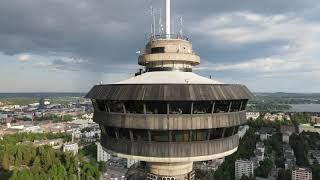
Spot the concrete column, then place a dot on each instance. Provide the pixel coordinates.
(177, 170)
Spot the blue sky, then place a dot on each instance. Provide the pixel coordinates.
(59, 45)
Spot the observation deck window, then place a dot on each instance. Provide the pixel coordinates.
(164, 135)
(180, 108)
(160, 136)
(140, 135)
(116, 106)
(156, 108)
(236, 105)
(101, 105)
(157, 50)
(228, 131)
(222, 106)
(200, 135)
(244, 104)
(134, 107)
(215, 133)
(180, 136)
(202, 107)
(110, 131)
(124, 133)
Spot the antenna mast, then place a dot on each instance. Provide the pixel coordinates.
(168, 19)
(160, 23)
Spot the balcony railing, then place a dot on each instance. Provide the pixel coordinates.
(165, 36)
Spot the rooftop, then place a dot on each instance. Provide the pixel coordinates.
(169, 77)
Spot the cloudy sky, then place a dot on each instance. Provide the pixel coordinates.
(70, 45)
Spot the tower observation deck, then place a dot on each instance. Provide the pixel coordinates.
(169, 117)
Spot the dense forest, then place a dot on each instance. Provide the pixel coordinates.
(23, 161)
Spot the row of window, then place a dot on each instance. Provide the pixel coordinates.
(168, 135)
(181, 107)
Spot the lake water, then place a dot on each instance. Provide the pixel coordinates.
(305, 108)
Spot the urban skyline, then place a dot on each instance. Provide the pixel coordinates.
(69, 46)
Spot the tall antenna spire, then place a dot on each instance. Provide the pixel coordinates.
(160, 23)
(153, 24)
(168, 19)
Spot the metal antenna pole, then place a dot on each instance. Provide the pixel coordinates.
(160, 23)
(168, 19)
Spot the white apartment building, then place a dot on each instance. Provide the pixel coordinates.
(252, 115)
(72, 147)
(301, 174)
(131, 162)
(243, 167)
(102, 155)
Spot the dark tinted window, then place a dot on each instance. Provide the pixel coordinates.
(115, 106)
(180, 136)
(228, 131)
(160, 136)
(216, 133)
(235, 106)
(202, 107)
(110, 131)
(140, 135)
(199, 135)
(156, 50)
(180, 107)
(101, 105)
(124, 133)
(222, 106)
(156, 107)
(135, 107)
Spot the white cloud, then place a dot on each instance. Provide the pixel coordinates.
(299, 56)
(24, 57)
(247, 27)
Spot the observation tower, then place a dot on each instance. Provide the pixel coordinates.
(168, 116)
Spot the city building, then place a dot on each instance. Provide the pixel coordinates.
(265, 133)
(313, 156)
(167, 115)
(252, 115)
(243, 167)
(315, 119)
(259, 151)
(286, 137)
(289, 158)
(131, 162)
(71, 147)
(102, 155)
(276, 116)
(309, 128)
(242, 131)
(300, 173)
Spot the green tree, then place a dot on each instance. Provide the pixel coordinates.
(6, 161)
(36, 166)
(264, 169)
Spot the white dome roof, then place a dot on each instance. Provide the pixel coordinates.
(169, 77)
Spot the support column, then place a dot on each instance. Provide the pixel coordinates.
(176, 170)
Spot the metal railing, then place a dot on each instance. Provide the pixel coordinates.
(172, 36)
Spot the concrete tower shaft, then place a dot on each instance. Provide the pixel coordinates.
(169, 54)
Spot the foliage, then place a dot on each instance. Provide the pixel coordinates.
(55, 118)
(284, 174)
(26, 161)
(264, 169)
(315, 171)
(244, 177)
(300, 148)
(245, 150)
